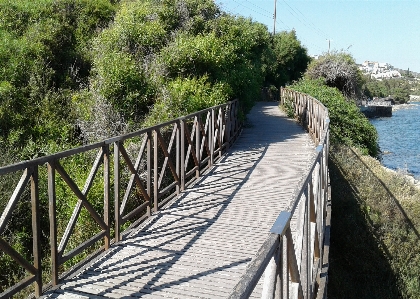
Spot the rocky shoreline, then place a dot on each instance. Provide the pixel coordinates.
(406, 175)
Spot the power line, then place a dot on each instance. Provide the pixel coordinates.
(295, 12)
(259, 7)
(259, 12)
(313, 25)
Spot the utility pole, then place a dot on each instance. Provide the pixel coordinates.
(329, 45)
(274, 26)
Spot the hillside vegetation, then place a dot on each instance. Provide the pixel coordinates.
(66, 61)
(375, 227)
(78, 71)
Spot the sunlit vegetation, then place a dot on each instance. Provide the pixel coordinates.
(78, 71)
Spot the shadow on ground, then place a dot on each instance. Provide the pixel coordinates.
(359, 261)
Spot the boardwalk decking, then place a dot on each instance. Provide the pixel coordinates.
(199, 246)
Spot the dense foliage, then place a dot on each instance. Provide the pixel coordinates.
(43, 57)
(291, 59)
(347, 124)
(398, 89)
(78, 71)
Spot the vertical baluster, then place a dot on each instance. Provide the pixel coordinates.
(149, 171)
(105, 150)
(155, 171)
(53, 223)
(36, 230)
(228, 126)
(220, 131)
(117, 216)
(177, 154)
(211, 137)
(197, 121)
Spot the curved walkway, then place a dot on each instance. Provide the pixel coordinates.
(200, 244)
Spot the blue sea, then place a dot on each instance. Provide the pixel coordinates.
(399, 138)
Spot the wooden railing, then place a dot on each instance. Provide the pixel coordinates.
(150, 167)
(295, 264)
(312, 115)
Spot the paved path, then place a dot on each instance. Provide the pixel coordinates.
(199, 246)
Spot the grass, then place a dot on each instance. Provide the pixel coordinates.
(375, 248)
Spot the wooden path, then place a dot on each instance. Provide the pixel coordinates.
(200, 244)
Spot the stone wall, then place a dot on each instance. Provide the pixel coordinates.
(376, 111)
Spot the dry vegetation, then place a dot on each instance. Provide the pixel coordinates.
(374, 231)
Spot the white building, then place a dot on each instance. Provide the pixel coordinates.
(379, 70)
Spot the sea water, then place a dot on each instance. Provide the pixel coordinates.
(399, 138)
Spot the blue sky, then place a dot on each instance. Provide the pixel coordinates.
(376, 30)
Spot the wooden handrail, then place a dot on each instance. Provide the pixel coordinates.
(181, 149)
(293, 262)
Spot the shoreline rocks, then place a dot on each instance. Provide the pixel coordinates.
(408, 176)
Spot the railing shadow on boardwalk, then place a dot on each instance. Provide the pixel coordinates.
(157, 267)
(184, 148)
(196, 225)
(296, 265)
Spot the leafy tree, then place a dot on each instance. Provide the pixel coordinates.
(398, 88)
(291, 59)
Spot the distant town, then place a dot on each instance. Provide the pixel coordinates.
(383, 70)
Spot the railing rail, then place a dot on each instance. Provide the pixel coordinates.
(167, 157)
(294, 264)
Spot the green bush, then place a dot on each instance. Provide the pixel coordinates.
(122, 82)
(184, 96)
(347, 124)
(44, 55)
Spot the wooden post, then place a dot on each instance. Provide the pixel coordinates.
(307, 244)
(107, 237)
(270, 274)
(149, 171)
(155, 171)
(53, 223)
(36, 230)
(117, 216)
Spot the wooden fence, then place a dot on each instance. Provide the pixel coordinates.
(149, 168)
(295, 264)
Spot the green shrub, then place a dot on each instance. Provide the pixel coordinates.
(122, 82)
(347, 124)
(184, 96)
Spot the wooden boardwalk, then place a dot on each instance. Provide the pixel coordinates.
(200, 244)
